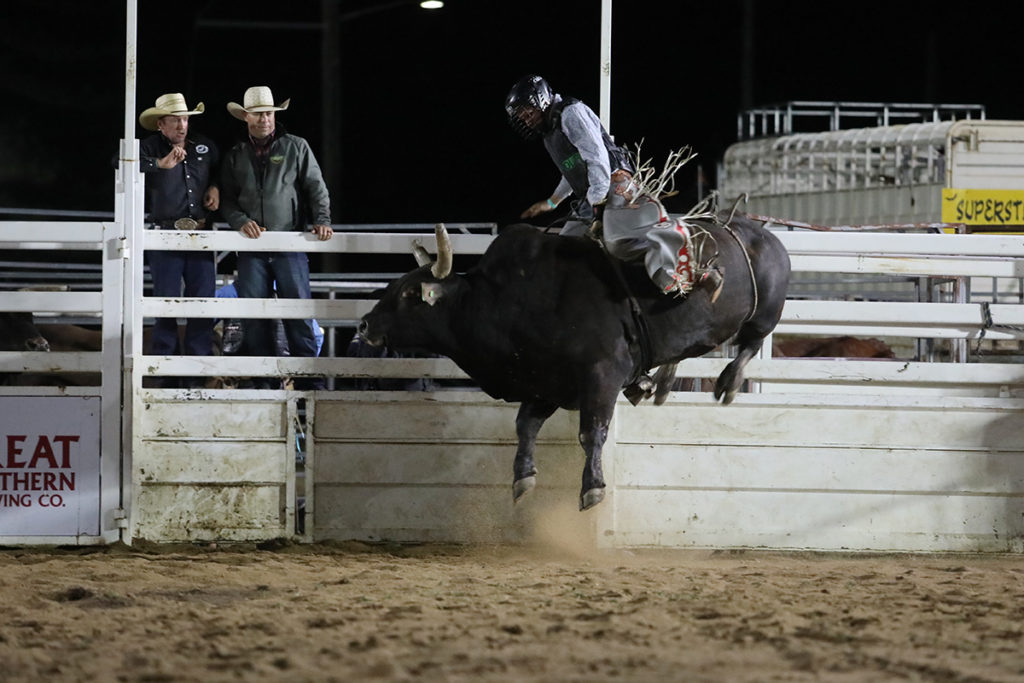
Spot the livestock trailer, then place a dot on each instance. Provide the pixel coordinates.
(967, 171)
(950, 170)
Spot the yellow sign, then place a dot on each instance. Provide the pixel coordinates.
(983, 207)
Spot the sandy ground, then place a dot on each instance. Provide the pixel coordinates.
(350, 612)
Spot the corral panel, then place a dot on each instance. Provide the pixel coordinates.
(863, 470)
(924, 427)
(443, 416)
(208, 513)
(212, 470)
(212, 462)
(216, 419)
(439, 464)
(435, 467)
(817, 520)
(905, 473)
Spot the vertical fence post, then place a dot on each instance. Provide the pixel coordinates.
(122, 278)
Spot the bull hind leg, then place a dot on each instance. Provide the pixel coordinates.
(529, 420)
(729, 382)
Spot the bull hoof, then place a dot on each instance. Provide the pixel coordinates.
(591, 498)
(520, 487)
(727, 386)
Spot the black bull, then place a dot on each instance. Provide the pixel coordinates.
(545, 321)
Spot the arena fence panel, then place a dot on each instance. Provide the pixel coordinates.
(818, 455)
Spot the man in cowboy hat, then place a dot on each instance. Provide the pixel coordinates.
(271, 181)
(181, 191)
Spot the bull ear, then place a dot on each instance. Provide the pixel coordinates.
(420, 254)
(443, 267)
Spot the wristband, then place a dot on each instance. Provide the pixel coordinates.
(552, 204)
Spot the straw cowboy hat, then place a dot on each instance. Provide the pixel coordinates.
(171, 104)
(257, 98)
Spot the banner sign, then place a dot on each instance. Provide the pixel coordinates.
(983, 207)
(49, 465)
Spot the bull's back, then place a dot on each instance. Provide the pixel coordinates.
(549, 271)
(549, 295)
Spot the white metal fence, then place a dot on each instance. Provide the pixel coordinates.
(105, 522)
(220, 464)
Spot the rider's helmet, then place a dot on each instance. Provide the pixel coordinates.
(527, 106)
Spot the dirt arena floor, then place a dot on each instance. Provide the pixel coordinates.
(353, 612)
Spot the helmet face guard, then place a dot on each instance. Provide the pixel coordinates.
(527, 105)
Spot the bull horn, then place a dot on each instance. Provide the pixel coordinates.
(443, 267)
(420, 254)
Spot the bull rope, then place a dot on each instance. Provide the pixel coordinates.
(750, 269)
(743, 249)
(882, 227)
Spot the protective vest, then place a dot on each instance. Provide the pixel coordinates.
(567, 157)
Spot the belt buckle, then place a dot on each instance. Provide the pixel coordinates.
(186, 224)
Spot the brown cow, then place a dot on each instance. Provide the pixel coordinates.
(832, 347)
(64, 337)
(19, 332)
(806, 347)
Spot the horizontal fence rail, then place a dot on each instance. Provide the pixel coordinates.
(935, 320)
(343, 243)
(952, 246)
(782, 370)
(29, 235)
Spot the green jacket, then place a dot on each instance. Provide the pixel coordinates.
(290, 195)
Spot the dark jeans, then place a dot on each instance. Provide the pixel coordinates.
(168, 269)
(257, 274)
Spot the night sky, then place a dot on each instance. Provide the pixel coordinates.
(421, 132)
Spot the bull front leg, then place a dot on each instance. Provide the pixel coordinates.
(594, 422)
(529, 420)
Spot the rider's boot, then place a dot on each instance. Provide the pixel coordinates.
(595, 231)
(712, 280)
(642, 388)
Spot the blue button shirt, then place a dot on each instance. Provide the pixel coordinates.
(173, 193)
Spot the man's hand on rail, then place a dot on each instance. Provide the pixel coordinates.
(323, 232)
(251, 229)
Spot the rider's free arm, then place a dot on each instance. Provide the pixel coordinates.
(582, 127)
